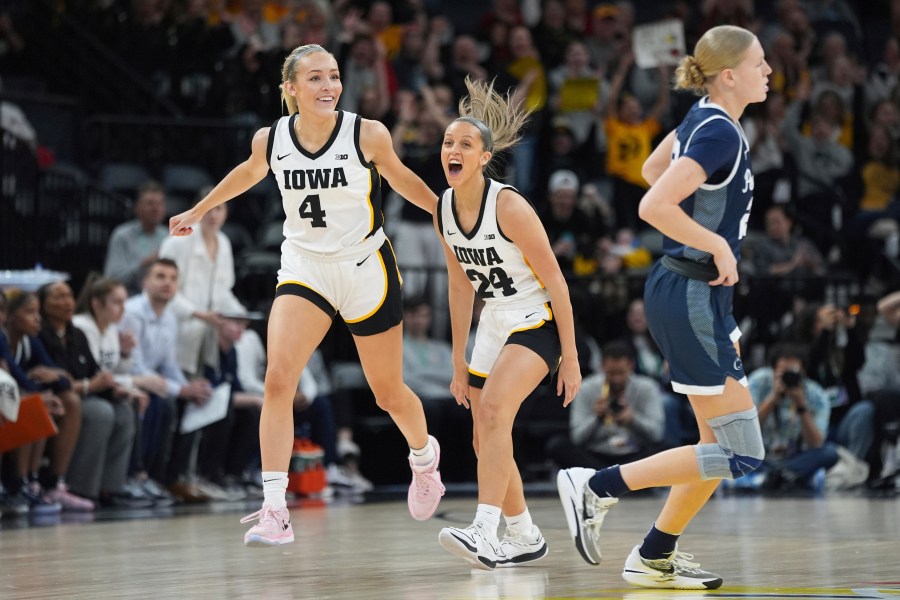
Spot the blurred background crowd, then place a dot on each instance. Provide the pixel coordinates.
(117, 114)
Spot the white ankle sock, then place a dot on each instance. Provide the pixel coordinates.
(489, 516)
(424, 456)
(520, 523)
(274, 487)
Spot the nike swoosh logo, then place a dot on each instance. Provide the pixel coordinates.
(363, 260)
(268, 480)
(470, 544)
(284, 156)
(531, 315)
(451, 232)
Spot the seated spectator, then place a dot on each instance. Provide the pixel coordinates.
(783, 252)
(313, 411)
(155, 328)
(793, 414)
(100, 308)
(206, 278)
(99, 466)
(135, 244)
(785, 263)
(35, 371)
(616, 417)
(229, 446)
(428, 371)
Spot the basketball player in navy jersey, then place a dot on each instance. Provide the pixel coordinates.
(700, 196)
(496, 247)
(335, 259)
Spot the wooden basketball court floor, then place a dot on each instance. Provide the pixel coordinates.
(832, 547)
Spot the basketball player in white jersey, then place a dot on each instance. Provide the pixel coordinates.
(497, 248)
(335, 259)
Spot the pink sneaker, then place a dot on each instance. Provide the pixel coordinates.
(69, 501)
(274, 527)
(426, 489)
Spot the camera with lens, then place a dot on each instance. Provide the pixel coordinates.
(791, 379)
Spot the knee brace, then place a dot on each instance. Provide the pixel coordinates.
(739, 450)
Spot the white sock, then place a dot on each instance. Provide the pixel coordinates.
(423, 456)
(489, 516)
(520, 523)
(274, 487)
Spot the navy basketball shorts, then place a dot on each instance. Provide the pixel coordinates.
(533, 327)
(693, 325)
(365, 290)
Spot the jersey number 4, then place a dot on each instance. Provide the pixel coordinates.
(496, 278)
(311, 209)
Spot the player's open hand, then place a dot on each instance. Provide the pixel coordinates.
(568, 380)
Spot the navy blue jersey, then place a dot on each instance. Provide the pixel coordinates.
(722, 204)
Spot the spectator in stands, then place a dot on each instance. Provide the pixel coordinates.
(313, 411)
(762, 126)
(229, 446)
(616, 417)
(527, 70)
(100, 308)
(630, 137)
(99, 466)
(821, 162)
(569, 229)
(206, 277)
(135, 244)
(577, 95)
(35, 371)
(782, 252)
(793, 414)
(428, 371)
(149, 317)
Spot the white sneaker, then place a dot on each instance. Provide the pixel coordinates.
(521, 548)
(345, 481)
(584, 510)
(676, 572)
(473, 543)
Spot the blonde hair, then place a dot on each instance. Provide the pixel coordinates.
(289, 70)
(720, 48)
(498, 121)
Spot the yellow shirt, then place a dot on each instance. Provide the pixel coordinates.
(881, 183)
(628, 146)
(537, 95)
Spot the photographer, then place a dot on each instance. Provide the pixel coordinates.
(793, 413)
(616, 417)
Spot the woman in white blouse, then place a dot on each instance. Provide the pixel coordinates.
(205, 278)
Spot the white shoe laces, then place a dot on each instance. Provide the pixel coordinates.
(424, 482)
(265, 515)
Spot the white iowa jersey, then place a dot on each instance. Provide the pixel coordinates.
(331, 198)
(496, 267)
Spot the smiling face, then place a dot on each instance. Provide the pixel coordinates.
(317, 83)
(462, 153)
(59, 303)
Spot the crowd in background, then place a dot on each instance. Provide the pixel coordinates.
(824, 148)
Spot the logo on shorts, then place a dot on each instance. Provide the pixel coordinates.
(738, 365)
(531, 315)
